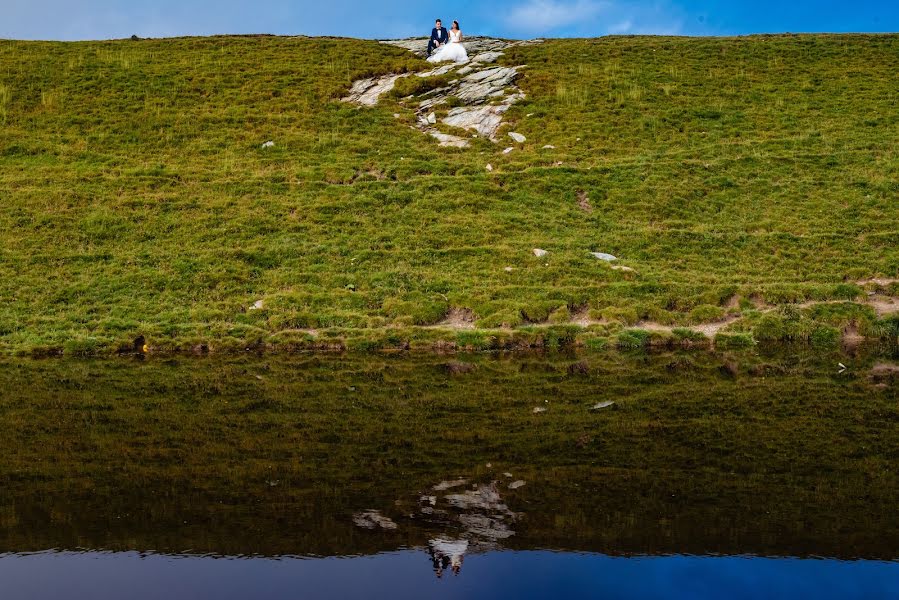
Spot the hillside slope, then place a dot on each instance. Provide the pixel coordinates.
(730, 175)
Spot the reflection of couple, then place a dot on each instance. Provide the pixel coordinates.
(445, 46)
(447, 554)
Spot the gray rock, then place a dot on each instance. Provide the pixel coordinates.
(268, 144)
(602, 405)
(473, 45)
(438, 71)
(432, 119)
(448, 141)
(486, 57)
(603, 256)
(539, 252)
(516, 484)
(508, 150)
(367, 91)
(485, 120)
(517, 137)
(538, 410)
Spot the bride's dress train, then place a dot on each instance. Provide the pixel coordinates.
(454, 51)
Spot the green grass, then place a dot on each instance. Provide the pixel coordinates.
(135, 197)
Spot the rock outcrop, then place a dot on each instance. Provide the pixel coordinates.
(480, 94)
(367, 91)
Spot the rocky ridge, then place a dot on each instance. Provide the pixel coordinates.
(474, 101)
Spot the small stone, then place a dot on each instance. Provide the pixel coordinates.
(258, 305)
(508, 269)
(396, 115)
(516, 484)
(549, 147)
(268, 144)
(517, 137)
(602, 405)
(539, 252)
(604, 256)
(489, 167)
(508, 150)
(529, 115)
(623, 269)
(538, 410)
(509, 475)
(432, 119)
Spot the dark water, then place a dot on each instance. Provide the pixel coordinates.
(762, 475)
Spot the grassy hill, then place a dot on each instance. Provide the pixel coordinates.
(732, 175)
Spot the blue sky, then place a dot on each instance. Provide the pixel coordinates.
(101, 19)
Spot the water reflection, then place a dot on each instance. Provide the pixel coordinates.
(439, 475)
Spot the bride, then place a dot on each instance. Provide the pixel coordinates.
(454, 50)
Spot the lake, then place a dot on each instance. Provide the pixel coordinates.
(769, 473)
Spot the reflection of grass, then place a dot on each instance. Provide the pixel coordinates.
(138, 200)
(272, 456)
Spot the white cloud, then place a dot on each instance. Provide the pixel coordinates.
(542, 15)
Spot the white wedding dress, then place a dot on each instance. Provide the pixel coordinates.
(453, 51)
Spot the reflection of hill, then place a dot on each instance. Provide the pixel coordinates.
(206, 457)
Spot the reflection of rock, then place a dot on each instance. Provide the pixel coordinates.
(445, 485)
(372, 519)
(483, 526)
(484, 497)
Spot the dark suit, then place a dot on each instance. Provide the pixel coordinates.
(438, 36)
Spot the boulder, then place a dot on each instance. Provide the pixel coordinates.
(484, 119)
(448, 141)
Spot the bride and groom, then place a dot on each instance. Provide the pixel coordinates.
(446, 46)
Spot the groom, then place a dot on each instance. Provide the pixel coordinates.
(439, 36)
